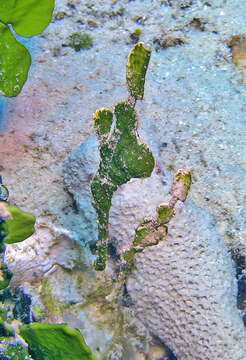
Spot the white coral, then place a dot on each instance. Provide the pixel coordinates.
(184, 289)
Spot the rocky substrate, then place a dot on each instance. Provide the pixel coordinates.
(184, 289)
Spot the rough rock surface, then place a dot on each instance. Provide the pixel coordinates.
(78, 170)
(184, 290)
(32, 259)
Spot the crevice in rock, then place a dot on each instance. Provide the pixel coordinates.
(240, 265)
(169, 353)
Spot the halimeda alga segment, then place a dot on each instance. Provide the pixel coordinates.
(27, 18)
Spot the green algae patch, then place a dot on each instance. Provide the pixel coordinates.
(165, 213)
(149, 233)
(100, 262)
(55, 342)
(135, 35)
(3, 313)
(16, 352)
(138, 60)
(37, 312)
(5, 276)
(51, 304)
(18, 227)
(79, 41)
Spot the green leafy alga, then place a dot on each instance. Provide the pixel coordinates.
(55, 342)
(28, 18)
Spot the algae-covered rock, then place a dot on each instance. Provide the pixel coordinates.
(55, 342)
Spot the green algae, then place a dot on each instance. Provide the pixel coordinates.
(135, 35)
(100, 262)
(55, 342)
(102, 194)
(97, 295)
(3, 313)
(37, 313)
(18, 227)
(51, 304)
(5, 276)
(16, 352)
(13, 74)
(125, 117)
(37, 309)
(27, 18)
(79, 41)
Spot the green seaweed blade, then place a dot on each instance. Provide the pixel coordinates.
(28, 17)
(19, 227)
(55, 342)
(15, 61)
